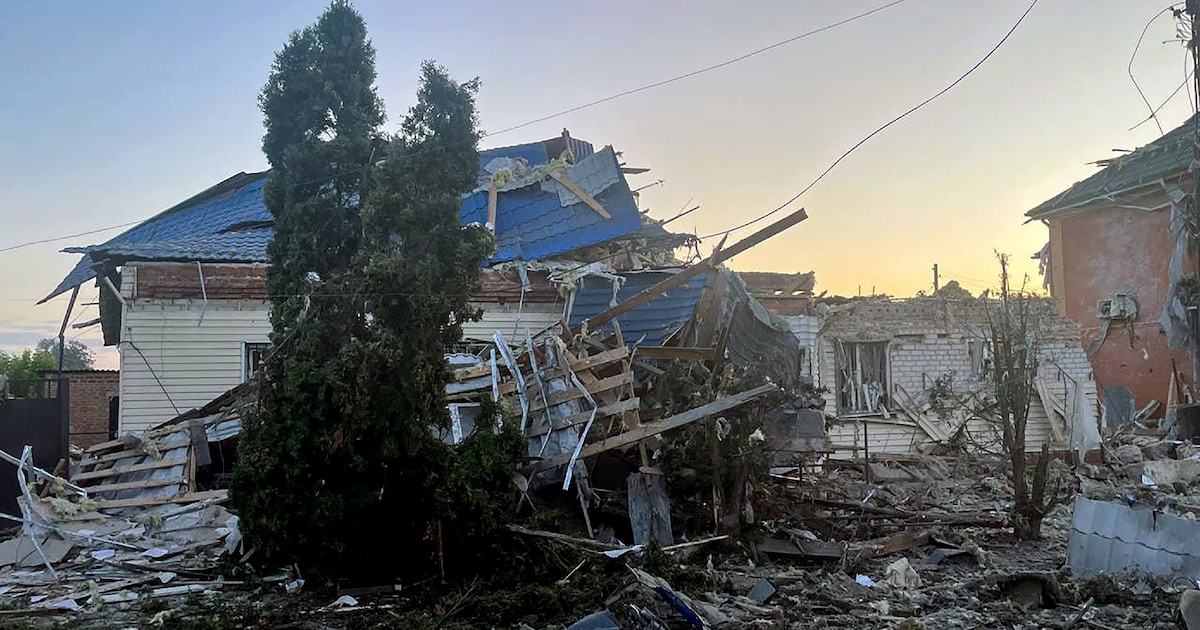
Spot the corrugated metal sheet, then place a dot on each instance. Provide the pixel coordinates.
(653, 322)
(230, 221)
(1114, 538)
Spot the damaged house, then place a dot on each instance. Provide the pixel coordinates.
(892, 368)
(1118, 264)
(183, 294)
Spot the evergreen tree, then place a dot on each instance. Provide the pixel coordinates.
(371, 273)
(298, 479)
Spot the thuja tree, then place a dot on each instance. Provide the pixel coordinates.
(369, 278)
(1012, 326)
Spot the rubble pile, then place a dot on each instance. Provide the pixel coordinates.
(130, 526)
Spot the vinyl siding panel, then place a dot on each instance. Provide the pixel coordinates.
(177, 355)
(512, 323)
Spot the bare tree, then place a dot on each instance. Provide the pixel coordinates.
(1012, 324)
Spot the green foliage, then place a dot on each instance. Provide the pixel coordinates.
(76, 357)
(371, 272)
(724, 454)
(21, 369)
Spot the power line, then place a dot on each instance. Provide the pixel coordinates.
(554, 115)
(63, 238)
(700, 71)
(1129, 67)
(881, 129)
(1154, 112)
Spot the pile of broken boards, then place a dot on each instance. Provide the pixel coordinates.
(130, 525)
(579, 397)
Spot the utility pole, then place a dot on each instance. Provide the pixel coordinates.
(1193, 10)
(936, 285)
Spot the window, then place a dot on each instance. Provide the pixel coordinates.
(252, 358)
(862, 384)
(980, 353)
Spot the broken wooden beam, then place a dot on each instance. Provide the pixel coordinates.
(660, 426)
(578, 191)
(648, 294)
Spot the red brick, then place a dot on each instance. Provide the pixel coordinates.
(90, 393)
(226, 281)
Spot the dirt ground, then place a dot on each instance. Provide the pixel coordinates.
(958, 576)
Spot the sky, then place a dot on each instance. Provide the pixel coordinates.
(111, 112)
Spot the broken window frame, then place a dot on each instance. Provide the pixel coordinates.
(252, 357)
(980, 356)
(858, 394)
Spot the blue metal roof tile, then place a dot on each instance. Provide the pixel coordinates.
(230, 221)
(651, 323)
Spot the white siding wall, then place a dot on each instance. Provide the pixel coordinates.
(197, 360)
(805, 329)
(194, 361)
(512, 322)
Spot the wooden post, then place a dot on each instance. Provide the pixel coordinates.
(62, 331)
(717, 258)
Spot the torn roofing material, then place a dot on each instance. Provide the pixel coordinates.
(1165, 157)
(648, 325)
(757, 334)
(230, 222)
(539, 221)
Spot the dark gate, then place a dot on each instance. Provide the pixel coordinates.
(40, 419)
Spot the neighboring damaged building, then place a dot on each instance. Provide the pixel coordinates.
(183, 294)
(888, 365)
(1117, 263)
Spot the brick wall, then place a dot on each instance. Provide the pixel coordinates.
(230, 281)
(90, 393)
(1108, 250)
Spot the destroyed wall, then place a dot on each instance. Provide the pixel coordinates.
(931, 343)
(1108, 250)
(805, 329)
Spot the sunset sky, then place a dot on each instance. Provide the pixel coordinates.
(113, 111)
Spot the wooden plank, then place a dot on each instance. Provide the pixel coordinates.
(120, 470)
(708, 313)
(675, 353)
(191, 497)
(577, 364)
(650, 293)
(655, 428)
(602, 385)
(579, 192)
(162, 448)
(466, 374)
(139, 485)
(582, 417)
(493, 192)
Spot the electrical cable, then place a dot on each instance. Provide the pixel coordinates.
(882, 128)
(1133, 56)
(547, 117)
